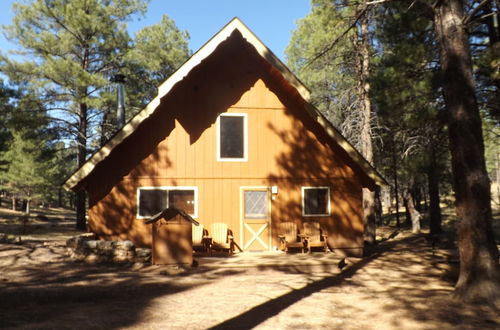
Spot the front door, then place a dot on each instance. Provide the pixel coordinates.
(256, 229)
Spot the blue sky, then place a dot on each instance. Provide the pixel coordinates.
(271, 20)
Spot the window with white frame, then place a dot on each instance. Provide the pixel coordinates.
(151, 200)
(232, 139)
(315, 201)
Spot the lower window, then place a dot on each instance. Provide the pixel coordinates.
(152, 200)
(315, 201)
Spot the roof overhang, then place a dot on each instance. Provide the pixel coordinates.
(74, 181)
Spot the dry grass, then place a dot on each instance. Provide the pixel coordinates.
(43, 224)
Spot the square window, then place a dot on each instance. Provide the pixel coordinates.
(182, 199)
(151, 201)
(232, 137)
(255, 204)
(315, 201)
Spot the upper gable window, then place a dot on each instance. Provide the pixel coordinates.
(232, 138)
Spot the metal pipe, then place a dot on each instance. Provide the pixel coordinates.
(120, 95)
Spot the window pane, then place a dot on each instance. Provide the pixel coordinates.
(255, 204)
(316, 201)
(152, 201)
(182, 199)
(231, 137)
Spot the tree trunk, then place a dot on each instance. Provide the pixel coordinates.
(416, 194)
(27, 210)
(103, 138)
(395, 175)
(497, 166)
(378, 207)
(494, 45)
(81, 157)
(369, 220)
(412, 214)
(407, 211)
(433, 184)
(479, 267)
(14, 203)
(59, 197)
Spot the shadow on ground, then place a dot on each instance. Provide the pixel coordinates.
(403, 283)
(64, 294)
(412, 270)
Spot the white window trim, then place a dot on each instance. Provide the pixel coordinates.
(303, 201)
(245, 137)
(167, 188)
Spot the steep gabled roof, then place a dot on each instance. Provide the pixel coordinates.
(204, 52)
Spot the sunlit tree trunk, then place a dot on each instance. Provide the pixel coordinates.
(27, 210)
(396, 183)
(479, 267)
(412, 214)
(369, 220)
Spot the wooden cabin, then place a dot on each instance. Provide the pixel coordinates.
(231, 137)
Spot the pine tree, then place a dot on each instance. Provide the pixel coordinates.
(410, 109)
(143, 72)
(330, 74)
(170, 48)
(330, 51)
(479, 264)
(25, 171)
(6, 109)
(70, 48)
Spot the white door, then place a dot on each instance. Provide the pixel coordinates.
(256, 218)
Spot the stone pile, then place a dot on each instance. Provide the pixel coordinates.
(87, 247)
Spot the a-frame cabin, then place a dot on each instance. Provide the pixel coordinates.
(231, 137)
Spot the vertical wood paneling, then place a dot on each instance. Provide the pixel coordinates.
(178, 162)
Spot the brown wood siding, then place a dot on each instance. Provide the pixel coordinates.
(282, 152)
(286, 148)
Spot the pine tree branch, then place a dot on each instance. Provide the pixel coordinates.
(62, 25)
(331, 45)
(467, 19)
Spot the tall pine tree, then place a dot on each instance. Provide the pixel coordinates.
(330, 51)
(70, 49)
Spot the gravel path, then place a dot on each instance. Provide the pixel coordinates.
(404, 284)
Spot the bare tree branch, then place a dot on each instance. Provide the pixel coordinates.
(331, 45)
(467, 19)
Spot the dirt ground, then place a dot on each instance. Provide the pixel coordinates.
(403, 284)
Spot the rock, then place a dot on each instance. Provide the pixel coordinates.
(105, 246)
(92, 259)
(89, 236)
(86, 247)
(124, 245)
(90, 244)
(142, 255)
(78, 241)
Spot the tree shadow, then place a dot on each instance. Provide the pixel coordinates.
(64, 294)
(264, 311)
(411, 294)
